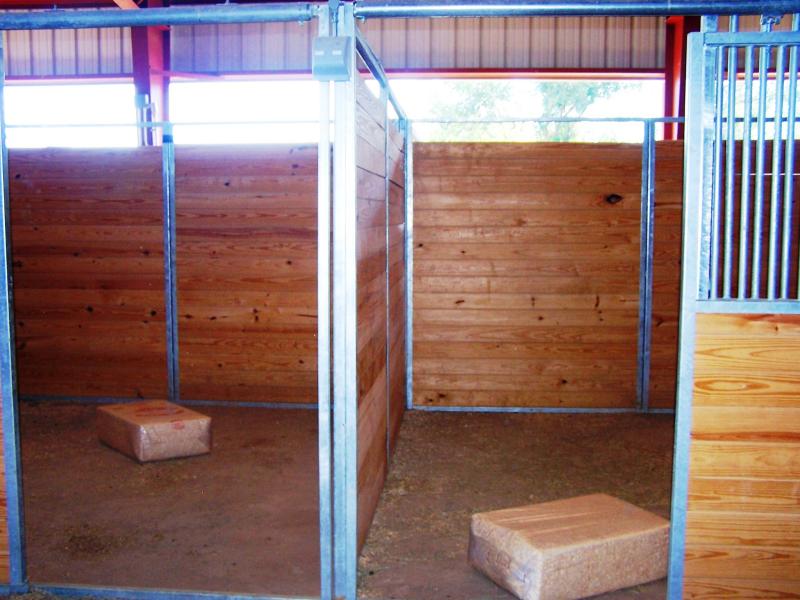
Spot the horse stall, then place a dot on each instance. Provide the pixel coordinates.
(527, 369)
(92, 328)
(390, 336)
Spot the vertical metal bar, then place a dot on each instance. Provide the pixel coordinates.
(8, 369)
(170, 271)
(788, 187)
(744, 204)
(716, 221)
(345, 375)
(646, 265)
(324, 330)
(408, 183)
(698, 169)
(775, 213)
(761, 149)
(730, 167)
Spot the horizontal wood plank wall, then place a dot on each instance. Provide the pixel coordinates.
(371, 322)
(666, 273)
(88, 272)
(247, 272)
(397, 284)
(743, 522)
(525, 277)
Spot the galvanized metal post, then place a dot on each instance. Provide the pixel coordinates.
(173, 15)
(646, 265)
(170, 268)
(537, 8)
(345, 324)
(324, 420)
(8, 371)
(694, 280)
(408, 248)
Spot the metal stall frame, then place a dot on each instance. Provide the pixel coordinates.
(338, 525)
(647, 223)
(67, 19)
(707, 245)
(170, 268)
(345, 290)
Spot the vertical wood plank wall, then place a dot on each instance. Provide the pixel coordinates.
(397, 282)
(743, 523)
(380, 276)
(88, 268)
(526, 278)
(88, 272)
(247, 272)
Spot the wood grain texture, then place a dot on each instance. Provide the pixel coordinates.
(743, 522)
(89, 272)
(666, 273)
(397, 283)
(526, 279)
(372, 318)
(381, 299)
(246, 260)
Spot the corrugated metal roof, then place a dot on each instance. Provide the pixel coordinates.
(523, 43)
(68, 52)
(616, 43)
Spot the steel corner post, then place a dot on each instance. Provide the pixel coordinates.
(8, 372)
(325, 442)
(344, 321)
(647, 224)
(170, 262)
(408, 249)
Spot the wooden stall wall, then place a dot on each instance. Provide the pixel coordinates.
(247, 272)
(88, 272)
(381, 314)
(667, 232)
(526, 274)
(743, 522)
(372, 317)
(88, 267)
(397, 282)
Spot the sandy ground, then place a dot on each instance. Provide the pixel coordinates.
(242, 519)
(448, 466)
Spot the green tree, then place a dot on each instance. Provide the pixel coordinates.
(471, 100)
(562, 99)
(497, 99)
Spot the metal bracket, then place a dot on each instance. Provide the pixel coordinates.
(330, 60)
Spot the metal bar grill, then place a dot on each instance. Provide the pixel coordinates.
(754, 112)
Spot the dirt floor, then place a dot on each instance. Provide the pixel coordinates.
(95, 517)
(242, 519)
(448, 466)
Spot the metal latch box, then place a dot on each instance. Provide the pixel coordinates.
(330, 60)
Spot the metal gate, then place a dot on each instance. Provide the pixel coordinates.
(740, 230)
